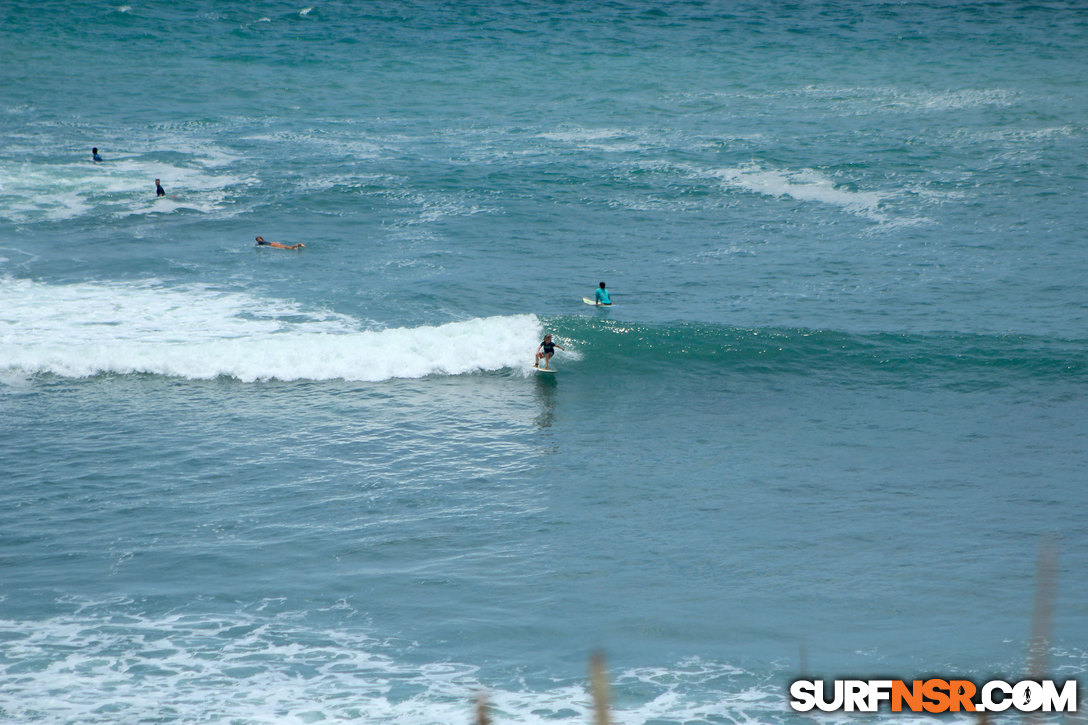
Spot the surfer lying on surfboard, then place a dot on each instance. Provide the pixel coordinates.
(262, 243)
(546, 350)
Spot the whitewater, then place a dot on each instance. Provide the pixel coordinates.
(84, 330)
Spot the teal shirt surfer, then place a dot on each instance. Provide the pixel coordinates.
(602, 296)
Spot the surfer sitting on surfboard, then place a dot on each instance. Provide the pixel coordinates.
(262, 243)
(546, 350)
(602, 296)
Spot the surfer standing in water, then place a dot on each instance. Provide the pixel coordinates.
(546, 350)
(262, 243)
(94, 154)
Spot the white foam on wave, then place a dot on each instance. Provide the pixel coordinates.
(1033, 141)
(867, 100)
(575, 135)
(614, 140)
(343, 144)
(20, 109)
(803, 185)
(199, 332)
(951, 100)
(96, 666)
(121, 186)
(425, 208)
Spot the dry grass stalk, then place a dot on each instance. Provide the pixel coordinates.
(481, 710)
(1046, 574)
(599, 681)
(1046, 578)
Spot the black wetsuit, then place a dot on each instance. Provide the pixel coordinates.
(159, 191)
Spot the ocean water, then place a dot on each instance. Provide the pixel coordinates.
(835, 415)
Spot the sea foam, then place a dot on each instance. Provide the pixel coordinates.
(199, 332)
(124, 186)
(803, 185)
(249, 666)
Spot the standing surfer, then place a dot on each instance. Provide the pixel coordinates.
(546, 350)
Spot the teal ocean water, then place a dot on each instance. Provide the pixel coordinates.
(835, 414)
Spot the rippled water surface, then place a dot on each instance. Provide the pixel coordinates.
(833, 417)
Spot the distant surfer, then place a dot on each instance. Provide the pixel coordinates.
(546, 350)
(159, 191)
(94, 154)
(602, 296)
(262, 243)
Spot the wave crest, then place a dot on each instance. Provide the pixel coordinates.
(198, 333)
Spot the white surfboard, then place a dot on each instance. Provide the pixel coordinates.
(594, 302)
(543, 370)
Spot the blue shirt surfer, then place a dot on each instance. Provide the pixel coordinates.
(602, 296)
(94, 154)
(546, 350)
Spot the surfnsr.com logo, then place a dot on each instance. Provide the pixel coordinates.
(933, 695)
